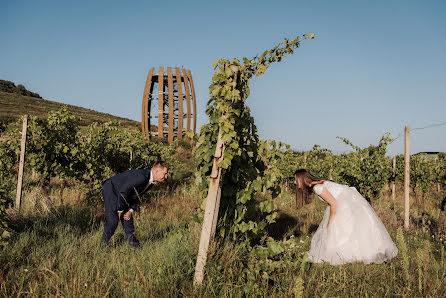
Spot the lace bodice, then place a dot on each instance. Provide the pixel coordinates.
(334, 188)
(318, 189)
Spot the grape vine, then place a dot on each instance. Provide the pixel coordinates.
(245, 168)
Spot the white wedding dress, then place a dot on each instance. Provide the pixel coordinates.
(356, 234)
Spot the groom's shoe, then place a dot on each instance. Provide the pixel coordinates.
(133, 242)
(104, 245)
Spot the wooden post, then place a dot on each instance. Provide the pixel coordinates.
(215, 219)
(406, 177)
(393, 181)
(212, 200)
(211, 212)
(21, 163)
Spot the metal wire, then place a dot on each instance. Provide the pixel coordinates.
(419, 128)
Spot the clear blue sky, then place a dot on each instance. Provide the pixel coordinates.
(374, 67)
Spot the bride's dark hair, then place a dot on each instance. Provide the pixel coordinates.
(304, 186)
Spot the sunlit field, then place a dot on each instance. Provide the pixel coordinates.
(54, 251)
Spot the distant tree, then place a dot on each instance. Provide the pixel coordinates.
(9, 87)
(20, 89)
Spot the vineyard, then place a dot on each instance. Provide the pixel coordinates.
(51, 247)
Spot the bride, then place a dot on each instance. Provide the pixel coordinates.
(350, 230)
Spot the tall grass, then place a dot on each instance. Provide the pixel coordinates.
(58, 254)
(55, 252)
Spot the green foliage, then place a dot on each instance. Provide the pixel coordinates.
(9, 156)
(51, 142)
(4, 233)
(424, 171)
(4, 124)
(421, 171)
(439, 169)
(367, 169)
(58, 147)
(98, 154)
(104, 150)
(280, 160)
(245, 171)
(267, 261)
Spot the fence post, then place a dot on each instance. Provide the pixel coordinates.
(212, 202)
(21, 163)
(393, 180)
(406, 176)
(210, 213)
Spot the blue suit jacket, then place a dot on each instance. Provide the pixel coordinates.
(129, 185)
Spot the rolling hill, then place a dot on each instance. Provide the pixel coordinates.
(13, 105)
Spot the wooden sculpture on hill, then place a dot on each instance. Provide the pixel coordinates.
(163, 104)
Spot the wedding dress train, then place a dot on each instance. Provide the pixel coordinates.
(355, 234)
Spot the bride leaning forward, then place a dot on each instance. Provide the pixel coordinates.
(350, 230)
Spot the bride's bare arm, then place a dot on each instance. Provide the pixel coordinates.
(327, 197)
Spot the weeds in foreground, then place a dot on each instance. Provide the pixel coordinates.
(56, 253)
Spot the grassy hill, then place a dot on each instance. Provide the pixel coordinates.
(13, 105)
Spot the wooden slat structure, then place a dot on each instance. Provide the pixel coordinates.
(189, 75)
(186, 86)
(167, 91)
(180, 104)
(145, 122)
(171, 105)
(160, 102)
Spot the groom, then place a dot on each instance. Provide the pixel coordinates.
(121, 194)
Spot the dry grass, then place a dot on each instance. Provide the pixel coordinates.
(15, 105)
(57, 254)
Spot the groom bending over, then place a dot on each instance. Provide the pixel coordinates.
(121, 194)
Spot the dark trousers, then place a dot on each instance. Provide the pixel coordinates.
(111, 215)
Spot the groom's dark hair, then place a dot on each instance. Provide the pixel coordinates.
(160, 163)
